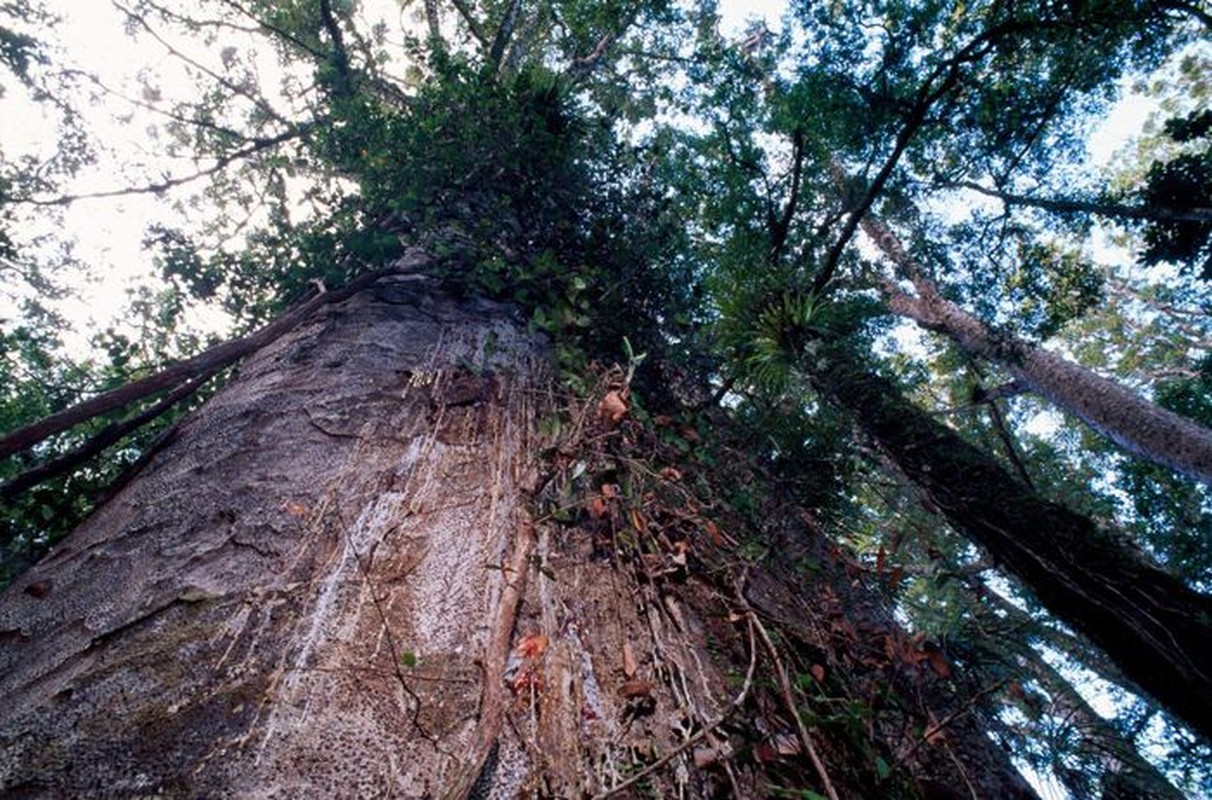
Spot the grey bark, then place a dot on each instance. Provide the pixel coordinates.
(235, 622)
(1114, 411)
(313, 591)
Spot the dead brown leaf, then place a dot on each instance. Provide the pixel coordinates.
(532, 645)
(629, 663)
(613, 407)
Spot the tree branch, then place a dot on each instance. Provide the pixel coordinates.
(504, 34)
(465, 12)
(171, 183)
(259, 102)
(1068, 206)
(106, 437)
(202, 364)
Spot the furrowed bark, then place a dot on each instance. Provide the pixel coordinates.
(1152, 625)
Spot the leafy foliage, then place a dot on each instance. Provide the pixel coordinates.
(533, 156)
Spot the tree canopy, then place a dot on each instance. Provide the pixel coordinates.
(869, 232)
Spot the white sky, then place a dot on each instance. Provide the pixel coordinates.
(108, 232)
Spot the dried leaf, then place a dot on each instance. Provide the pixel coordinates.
(597, 508)
(629, 663)
(713, 531)
(880, 558)
(705, 757)
(531, 645)
(610, 490)
(786, 744)
(818, 673)
(638, 521)
(296, 509)
(613, 407)
(671, 474)
(633, 689)
(938, 663)
(690, 435)
(894, 578)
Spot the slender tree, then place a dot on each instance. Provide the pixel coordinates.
(1148, 621)
(1123, 416)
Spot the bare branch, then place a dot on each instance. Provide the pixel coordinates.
(504, 34)
(1060, 205)
(260, 102)
(108, 436)
(257, 146)
(464, 12)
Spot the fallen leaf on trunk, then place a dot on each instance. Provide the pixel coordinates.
(531, 645)
(629, 663)
(613, 407)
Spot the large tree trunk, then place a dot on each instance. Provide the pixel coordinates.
(1123, 416)
(1151, 624)
(342, 578)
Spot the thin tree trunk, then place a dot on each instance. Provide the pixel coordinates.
(1007, 634)
(1151, 624)
(1121, 415)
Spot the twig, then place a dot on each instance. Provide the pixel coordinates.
(789, 700)
(736, 703)
(492, 701)
(934, 729)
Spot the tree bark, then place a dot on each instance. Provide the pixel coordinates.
(337, 580)
(1121, 415)
(1151, 624)
(996, 628)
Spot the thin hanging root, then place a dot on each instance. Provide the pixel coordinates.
(736, 703)
(492, 702)
(789, 700)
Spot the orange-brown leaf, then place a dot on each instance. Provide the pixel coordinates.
(690, 435)
(531, 645)
(880, 558)
(894, 578)
(713, 531)
(629, 663)
(296, 509)
(597, 508)
(613, 407)
(632, 689)
(818, 672)
(671, 474)
(939, 664)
